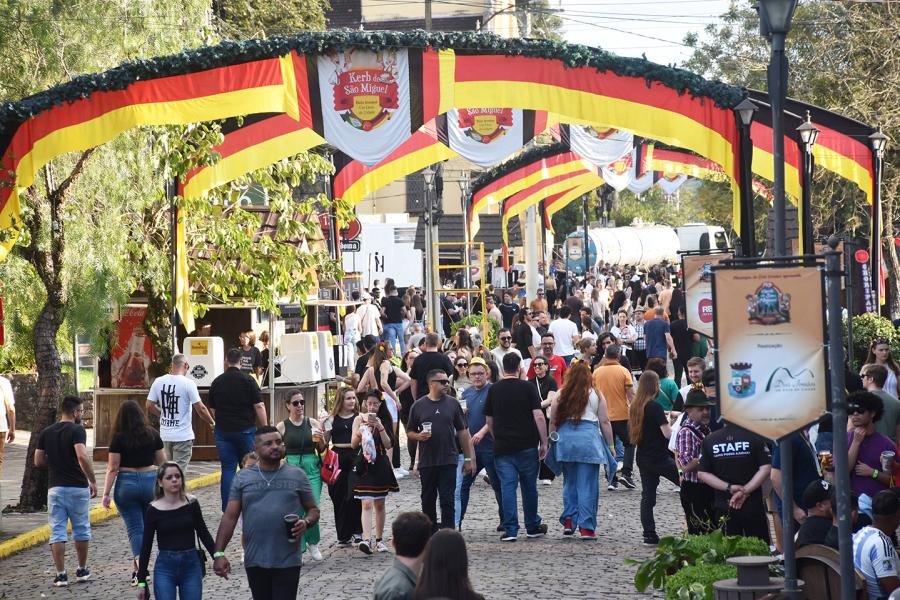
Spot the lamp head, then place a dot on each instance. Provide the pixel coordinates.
(878, 141)
(808, 132)
(429, 173)
(463, 182)
(745, 111)
(777, 14)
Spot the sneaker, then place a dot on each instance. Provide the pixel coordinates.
(402, 471)
(613, 485)
(627, 481)
(355, 539)
(134, 579)
(380, 546)
(619, 466)
(546, 482)
(315, 553)
(651, 540)
(567, 527)
(82, 574)
(508, 537)
(364, 547)
(501, 528)
(539, 532)
(398, 475)
(586, 534)
(61, 580)
(344, 543)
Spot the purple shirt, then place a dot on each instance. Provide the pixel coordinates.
(870, 453)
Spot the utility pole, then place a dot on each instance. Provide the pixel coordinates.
(427, 15)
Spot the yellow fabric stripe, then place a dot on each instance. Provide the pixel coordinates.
(846, 168)
(670, 168)
(764, 166)
(289, 79)
(182, 283)
(647, 121)
(394, 170)
(250, 159)
(9, 219)
(447, 77)
(564, 201)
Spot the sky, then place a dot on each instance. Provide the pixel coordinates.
(631, 28)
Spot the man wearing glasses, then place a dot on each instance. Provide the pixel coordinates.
(437, 423)
(504, 338)
(866, 444)
(557, 364)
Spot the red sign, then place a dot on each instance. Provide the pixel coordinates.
(705, 308)
(325, 222)
(861, 256)
(352, 230)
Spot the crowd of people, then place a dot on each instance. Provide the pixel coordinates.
(589, 382)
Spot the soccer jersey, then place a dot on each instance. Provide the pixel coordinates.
(875, 557)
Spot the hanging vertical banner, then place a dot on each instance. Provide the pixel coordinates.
(133, 353)
(770, 337)
(620, 172)
(697, 275)
(365, 102)
(600, 145)
(670, 184)
(487, 136)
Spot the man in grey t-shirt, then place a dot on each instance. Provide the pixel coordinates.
(263, 494)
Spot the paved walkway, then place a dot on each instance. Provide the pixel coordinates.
(551, 567)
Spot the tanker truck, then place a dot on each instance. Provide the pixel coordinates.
(640, 245)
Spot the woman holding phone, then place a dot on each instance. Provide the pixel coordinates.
(373, 477)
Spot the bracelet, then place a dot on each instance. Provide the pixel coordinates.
(219, 554)
(467, 459)
(141, 584)
(875, 474)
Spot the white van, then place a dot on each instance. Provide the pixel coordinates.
(700, 236)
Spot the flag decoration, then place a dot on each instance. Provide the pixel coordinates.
(603, 146)
(620, 172)
(488, 136)
(642, 183)
(671, 183)
(182, 281)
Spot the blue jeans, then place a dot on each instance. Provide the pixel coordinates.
(177, 570)
(581, 494)
(133, 494)
(232, 446)
(393, 332)
(457, 491)
(65, 504)
(519, 469)
(483, 460)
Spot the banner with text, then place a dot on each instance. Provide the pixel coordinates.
(770, 335)
(697, 273)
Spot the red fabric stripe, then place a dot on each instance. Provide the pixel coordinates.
(431, 82)
(845, 145)
(540, 121)
(549, 200)
(302, 78)
(520, 196)
(523, 172)
(762, 139)
(685, 158)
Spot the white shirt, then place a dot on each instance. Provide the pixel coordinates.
(8, 401)
(875, 557)
(368, 319)
(563, 331)
(175, 395)
(498, 353)
(592, 410)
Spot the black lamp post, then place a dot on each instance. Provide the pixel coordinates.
(775, 23)
(429, 173)
(745, 112)
(879, 142)
(463, 182)
(808, 135)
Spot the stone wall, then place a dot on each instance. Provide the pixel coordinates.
(25, 390)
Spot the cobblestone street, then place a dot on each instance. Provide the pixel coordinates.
(544, 568)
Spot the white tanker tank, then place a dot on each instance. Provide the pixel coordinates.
(643, 245)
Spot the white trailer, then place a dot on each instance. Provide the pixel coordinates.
(384, 250)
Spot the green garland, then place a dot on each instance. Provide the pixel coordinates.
(315, 43)
(528, 157)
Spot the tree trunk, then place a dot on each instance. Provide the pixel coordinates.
(34, 483)
(157, 325)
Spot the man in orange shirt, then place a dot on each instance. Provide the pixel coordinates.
(614, 382)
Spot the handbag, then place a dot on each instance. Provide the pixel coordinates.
(330, 469)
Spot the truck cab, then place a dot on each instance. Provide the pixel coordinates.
(700, 236)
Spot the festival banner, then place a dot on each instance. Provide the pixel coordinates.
(365, 101)
(602, 146)
(488, 136)
(697, 276)
(670, 184)
(620, 172)
(642, 183)
(133, 353)
(770, 340)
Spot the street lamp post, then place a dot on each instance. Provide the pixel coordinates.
(745, 112)
(878, 141)
(433, 306)
(463, 182)
(808, 135)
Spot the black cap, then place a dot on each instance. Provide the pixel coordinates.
(369, 341)
(817, 491)
(885, 503)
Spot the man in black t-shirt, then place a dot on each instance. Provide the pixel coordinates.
(516, 422)
(508, 309)
(426, 362)
(814, 530)
(393, 313)
(437, 424)
(62, 448)
(735, 463)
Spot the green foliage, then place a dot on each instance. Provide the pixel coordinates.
(866, 328)
(695, 582)
(475, 321)
(676, 553)
(242, 19)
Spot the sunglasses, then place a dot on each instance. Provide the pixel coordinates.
(441, 381)
(506, 337)
(298, 402)
(855, 409)
(536, 365)
(462, 364)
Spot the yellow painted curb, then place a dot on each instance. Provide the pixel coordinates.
(98, 514)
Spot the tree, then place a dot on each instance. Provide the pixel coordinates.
(843, 57)
(243, 19)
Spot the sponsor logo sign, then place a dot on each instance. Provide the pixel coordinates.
(697, 271)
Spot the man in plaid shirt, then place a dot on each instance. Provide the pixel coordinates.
(696, 498)
(640, 344)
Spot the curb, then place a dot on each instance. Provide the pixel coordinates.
(98, 514)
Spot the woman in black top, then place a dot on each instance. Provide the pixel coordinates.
(134, 452)
(649, 430)
(177, 520)
(339, 431)
(406, 402)
(547, 388)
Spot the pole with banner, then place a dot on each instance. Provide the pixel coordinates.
(696, 269)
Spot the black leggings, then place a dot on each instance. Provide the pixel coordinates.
(651, 472)
(273, 584)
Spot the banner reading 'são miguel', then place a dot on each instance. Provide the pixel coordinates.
(365, 102)
(486, 136)
(697, 273)
(770, 336)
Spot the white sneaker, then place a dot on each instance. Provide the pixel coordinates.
(546, 482)
(380, 546)
(315, 553)
(398, 475)
(403, 471)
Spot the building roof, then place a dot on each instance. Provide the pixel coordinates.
(349, 13)
(451, 230)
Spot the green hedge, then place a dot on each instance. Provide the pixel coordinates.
(687, 583)
(868, 327)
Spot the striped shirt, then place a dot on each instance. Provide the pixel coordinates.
(688, 443)
(875, 557)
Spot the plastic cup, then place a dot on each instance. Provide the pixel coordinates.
(426, 427)
(825, 459)
(887, 460)
(289, 522)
